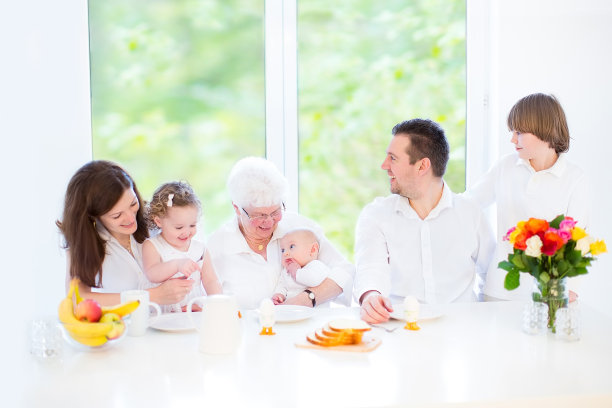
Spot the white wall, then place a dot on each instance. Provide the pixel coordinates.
(552, 46)
(45, 134)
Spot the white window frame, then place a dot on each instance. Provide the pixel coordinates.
(282, 92)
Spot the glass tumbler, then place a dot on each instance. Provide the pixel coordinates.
(568, 322)
(46, 341)
(535, 317)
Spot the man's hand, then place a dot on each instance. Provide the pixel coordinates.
(375, 308)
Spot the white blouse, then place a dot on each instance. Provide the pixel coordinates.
(251, 278)
(120, 270)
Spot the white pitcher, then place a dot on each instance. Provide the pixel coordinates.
(219, 326)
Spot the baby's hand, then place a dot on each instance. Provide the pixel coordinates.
(278, 298)
(292, 269)
(187, 267)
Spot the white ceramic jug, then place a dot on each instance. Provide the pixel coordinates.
(219, 326)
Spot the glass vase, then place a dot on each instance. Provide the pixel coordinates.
(555, 295)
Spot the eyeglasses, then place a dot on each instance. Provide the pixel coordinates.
(276, 215)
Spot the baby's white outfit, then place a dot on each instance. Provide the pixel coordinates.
(168, 253)
(310, 275)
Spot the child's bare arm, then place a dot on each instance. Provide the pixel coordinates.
(158, 271)
(210, 281)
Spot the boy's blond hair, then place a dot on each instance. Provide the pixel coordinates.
(543, 116)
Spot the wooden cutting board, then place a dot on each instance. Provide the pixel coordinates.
(366, 345)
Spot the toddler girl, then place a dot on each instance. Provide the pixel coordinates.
(536, 181)
(174, 210)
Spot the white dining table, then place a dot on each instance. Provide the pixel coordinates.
(473, 355)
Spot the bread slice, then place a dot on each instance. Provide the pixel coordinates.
(312, 338)
(349, 324)
(349, 336)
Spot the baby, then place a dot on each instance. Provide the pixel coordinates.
(302, 269)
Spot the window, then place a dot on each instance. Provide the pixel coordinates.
(365, 66)
(178, 92)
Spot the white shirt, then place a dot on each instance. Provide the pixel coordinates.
(308, 276)
(435, 259)
(522, 193)
(251, 278)
(120, 270)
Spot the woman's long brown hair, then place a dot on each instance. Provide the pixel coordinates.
(93, 191)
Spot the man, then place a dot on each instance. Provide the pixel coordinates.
(423, 240)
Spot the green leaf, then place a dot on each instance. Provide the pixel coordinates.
(516, 260)
(574, 257)
(507, 266)
(562, 268)
(512, 280)
(557, 221)
(544, 277)
(580, 271)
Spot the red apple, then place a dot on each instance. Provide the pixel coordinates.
(88, 311)
(118, 325)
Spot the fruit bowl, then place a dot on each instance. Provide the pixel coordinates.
(93, 343)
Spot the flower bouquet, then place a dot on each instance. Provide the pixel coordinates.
(550, 252)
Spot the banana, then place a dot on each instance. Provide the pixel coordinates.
(91, 334)
(91, 341)
(86, 329)
(121, 309)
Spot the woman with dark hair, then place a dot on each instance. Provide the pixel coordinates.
(103, 227)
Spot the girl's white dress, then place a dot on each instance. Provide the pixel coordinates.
(168, 253)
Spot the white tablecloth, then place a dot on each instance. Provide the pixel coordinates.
(474, 355)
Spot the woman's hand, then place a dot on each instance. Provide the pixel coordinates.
(171, 291)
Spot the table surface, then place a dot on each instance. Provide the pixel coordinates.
(475, 354)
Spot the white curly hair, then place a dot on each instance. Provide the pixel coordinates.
(256, 182)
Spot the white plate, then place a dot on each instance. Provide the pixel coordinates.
(175, 322)
(426, 312)
(292, 313)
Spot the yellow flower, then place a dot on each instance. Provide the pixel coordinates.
(520, 227)
(598, 247)
(578, 233)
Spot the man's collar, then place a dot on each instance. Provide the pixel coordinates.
(403, 206)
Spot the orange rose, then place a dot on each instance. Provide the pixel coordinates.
(520, 240)
(535, 225)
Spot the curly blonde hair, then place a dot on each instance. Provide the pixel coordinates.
(183, 195)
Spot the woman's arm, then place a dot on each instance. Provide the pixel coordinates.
(170, 292)
(104, 299)
(210, 281)
(327, 290)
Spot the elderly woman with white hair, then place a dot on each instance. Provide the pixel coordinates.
(246, 252)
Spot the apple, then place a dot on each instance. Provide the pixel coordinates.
(88, 311)
(118, 325)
